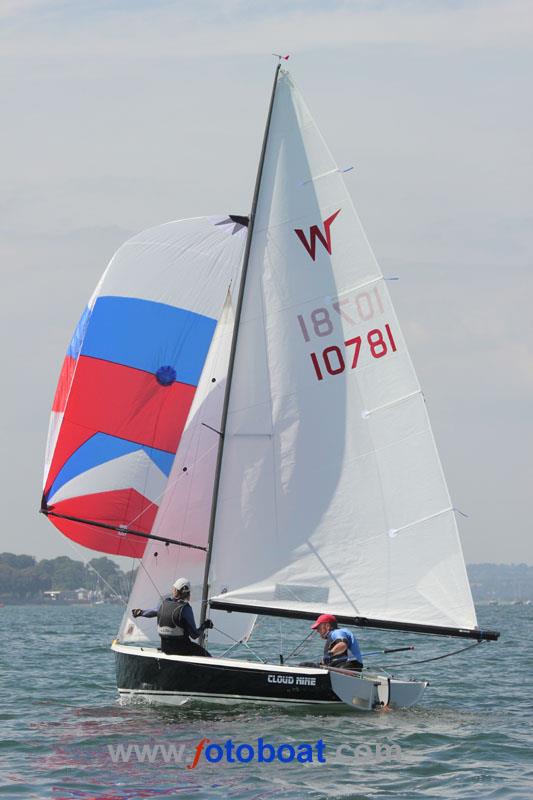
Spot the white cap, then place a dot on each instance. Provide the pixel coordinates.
(182, 583)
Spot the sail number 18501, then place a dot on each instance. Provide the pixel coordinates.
(332, 360)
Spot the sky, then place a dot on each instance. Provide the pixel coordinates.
(119, 115)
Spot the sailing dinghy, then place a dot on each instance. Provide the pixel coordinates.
(238, 405)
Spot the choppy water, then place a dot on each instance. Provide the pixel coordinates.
(470, 738)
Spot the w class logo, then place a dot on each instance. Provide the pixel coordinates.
(315, 233)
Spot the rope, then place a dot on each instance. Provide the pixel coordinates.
(230, 648)
(293, 653)
(122, 600)
(150, 579)
(238, 642)
(435, 658)
(87, 565)
(130, 581)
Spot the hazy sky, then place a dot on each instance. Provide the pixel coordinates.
(118, 115)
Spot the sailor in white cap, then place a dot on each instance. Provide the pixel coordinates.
(175, 621)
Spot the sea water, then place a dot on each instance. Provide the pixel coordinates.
(65, 734)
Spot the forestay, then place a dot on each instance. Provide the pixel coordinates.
(332, 496)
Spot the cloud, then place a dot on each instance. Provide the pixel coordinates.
(183, 30)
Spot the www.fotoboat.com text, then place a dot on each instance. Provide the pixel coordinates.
(207, 752)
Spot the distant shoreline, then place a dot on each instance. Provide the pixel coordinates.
(26, 581)
(53, 603)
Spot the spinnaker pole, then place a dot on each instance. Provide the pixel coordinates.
(238, 310)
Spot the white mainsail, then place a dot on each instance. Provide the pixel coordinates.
(184, 509)
(331, 495)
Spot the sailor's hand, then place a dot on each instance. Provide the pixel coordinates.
(136, 612)
(207, 625)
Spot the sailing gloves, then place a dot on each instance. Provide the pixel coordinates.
(137, 612)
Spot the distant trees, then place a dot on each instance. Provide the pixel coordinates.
(23, 578)
(63, 572)
(17, 562)
(20, 577)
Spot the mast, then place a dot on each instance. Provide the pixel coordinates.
(238, 310)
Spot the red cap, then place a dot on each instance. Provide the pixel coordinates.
(324, 618)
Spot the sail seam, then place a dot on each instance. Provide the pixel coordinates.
(327, 299)
(291, 220)
(377, 450)
(357, 287)
(134, 369)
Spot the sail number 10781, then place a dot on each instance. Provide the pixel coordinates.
(332, 360)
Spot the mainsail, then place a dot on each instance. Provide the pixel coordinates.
(129, 380)
(331, 494)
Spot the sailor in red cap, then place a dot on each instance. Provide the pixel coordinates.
(341, 648)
